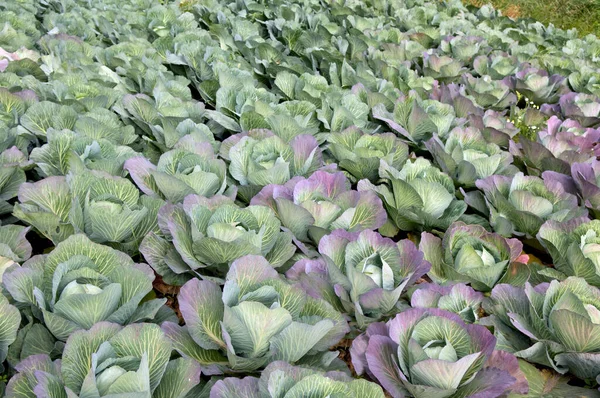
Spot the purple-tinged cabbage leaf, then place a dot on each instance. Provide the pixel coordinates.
(321, 203)
(459, 299)
(495, 127)
(280, 379)
(538, 86)
(558, 146)
(257, 318)
(568, 141)
(259, 158)
(583, 108)
(586, 177)
(362, 274)
(431, 352)
(536, 158)
(454, 95)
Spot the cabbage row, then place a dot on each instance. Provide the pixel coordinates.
(279, 199)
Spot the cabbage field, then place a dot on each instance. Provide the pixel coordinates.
(296, 198)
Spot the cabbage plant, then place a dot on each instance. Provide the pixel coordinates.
(454, 96)
(261, 158)
(538, 86)
(67, 151)
(459, 298)
(583, 108)
(6, 57)
(519, 205)
(409, 119)
(14, 246)
(464, 47)
(568, 140)
(359, 154)
(108, 361)
(12, 175)
(559, 145)
(81, 283)
(425, 352)
(417, 197)
(258, 318)
(585, 80)
(467, 157)
(281, 379)
(553, 324)
(442, 68)
(164, 117)
(586, 177)
(537, 159)
(193, 169)
(497, 66)
(202, 236)
(11, 320)
(321, 203)
(101, 124)
(495, 127)
(108, 209)
(363, 274)
(488, 93)
(574, 247)
(470, 254)
(42, 116)
(12, 106)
